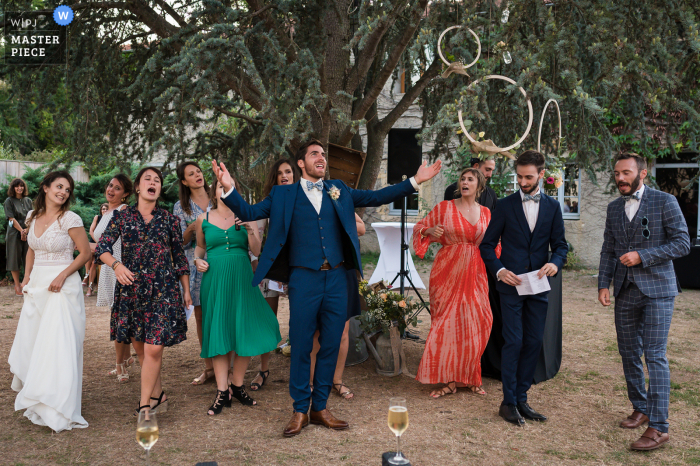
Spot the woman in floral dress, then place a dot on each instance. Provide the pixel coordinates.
(149, 309)
(194, 200)
(459, 293)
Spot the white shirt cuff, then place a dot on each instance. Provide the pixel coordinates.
(413, 182)
(228, 192)
(499, 271)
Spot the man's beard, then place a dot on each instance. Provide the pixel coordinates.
(635, 185)
(531, 190)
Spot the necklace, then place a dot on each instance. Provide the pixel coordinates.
(469, 209)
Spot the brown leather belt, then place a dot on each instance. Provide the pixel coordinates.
(325, 266)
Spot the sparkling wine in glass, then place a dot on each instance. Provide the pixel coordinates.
(398, 423)
(147, 431)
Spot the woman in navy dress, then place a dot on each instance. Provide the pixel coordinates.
(149, 309)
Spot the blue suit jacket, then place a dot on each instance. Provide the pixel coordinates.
(668, 240)
(523, 251)
(279, 207)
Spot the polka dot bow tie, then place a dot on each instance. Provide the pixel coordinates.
(311, 185)
(530, 197)
(634, 196)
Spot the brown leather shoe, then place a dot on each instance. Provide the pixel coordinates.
(325, 418)
(634, 420)
(651, 439)
(298, 422)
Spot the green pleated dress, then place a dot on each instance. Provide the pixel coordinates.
(235, 315)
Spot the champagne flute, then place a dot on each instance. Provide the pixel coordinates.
(398, 423)
(147, 432)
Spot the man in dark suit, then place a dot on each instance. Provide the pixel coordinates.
(527, 223)
(644, 232)
(312, 239)
(488, 197)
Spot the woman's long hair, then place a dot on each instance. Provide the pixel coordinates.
(17, 182)
(127, 185)
(40, 201)
(184, 191)
(271, 179)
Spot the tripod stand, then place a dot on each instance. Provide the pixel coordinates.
(403, 271)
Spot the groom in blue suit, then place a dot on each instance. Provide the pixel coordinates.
(527, 223)
(312, 239)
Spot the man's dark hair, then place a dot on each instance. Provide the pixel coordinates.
(530, 157)
(641, 161)
(474, 161)
(301, 153)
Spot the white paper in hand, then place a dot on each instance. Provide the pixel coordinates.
(188, 312)
(531, 284)
(276, 286)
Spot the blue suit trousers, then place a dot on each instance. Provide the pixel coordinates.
(524, 319)
(642, 325)
(318, 300)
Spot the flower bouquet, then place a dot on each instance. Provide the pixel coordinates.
(385, 307)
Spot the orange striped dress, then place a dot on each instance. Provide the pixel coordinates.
(459, 298)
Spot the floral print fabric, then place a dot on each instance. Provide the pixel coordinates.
(151, 309)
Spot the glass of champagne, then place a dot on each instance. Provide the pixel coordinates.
(398, 423)
(147, 432)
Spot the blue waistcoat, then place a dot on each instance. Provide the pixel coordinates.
(320, 238)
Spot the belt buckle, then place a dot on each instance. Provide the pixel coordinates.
(326, 266)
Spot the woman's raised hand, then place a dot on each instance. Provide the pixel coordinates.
(222, 174)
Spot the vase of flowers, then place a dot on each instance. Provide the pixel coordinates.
(386, 316)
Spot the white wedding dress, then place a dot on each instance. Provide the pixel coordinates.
(47, 354)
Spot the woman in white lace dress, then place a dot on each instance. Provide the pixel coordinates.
(47, 354)
(117, 193)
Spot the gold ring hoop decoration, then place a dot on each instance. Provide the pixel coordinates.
(457, 67)
(488, 145)
(539, 133)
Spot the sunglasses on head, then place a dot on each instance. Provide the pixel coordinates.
(645, 223)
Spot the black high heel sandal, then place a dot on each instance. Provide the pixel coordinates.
(223, 399)
(138, 410)
(241, 395)
(263, 375)
(161, 406)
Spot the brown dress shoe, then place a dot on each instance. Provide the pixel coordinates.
(634, 420)
(651, 439)
(325, 418)
(298, 422)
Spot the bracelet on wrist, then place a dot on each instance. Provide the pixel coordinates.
(421, 233)
(115, 264)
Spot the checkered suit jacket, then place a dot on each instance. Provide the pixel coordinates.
(668, 240)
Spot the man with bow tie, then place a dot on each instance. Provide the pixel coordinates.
(312, 239)
(527, 223)
(644, 231)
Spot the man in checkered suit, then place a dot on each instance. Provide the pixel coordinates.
(644, 231)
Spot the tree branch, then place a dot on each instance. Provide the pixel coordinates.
(238, 115)
(411, 95)
(271, 24)
(171, 11)
(366, 56)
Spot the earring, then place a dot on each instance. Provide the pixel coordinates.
(137, 191)
(123, 199)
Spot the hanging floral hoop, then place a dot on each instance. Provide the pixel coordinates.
(529, 108)
(457, 67)
(544, 111)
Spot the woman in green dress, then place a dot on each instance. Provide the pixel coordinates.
(235, 316)
(17, 205)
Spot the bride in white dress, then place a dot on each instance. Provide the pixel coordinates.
(47, 354)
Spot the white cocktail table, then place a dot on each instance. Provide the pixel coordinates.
(389, 237)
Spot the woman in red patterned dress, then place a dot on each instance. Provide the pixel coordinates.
(459, 294)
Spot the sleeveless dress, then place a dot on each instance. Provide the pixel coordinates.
(47, 354)
(459, 297)
(105, 287)
(235, 316)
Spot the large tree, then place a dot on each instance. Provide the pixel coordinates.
(157, 75)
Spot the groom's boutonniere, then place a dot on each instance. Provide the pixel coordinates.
(334, 193)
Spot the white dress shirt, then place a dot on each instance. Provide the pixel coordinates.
(532, 210)
(632, 205)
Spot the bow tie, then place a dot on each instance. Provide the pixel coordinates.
(530, 197)
(634, 196)
(311, 185)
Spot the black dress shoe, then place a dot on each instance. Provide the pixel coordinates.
(529, 413)
(510, 413)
